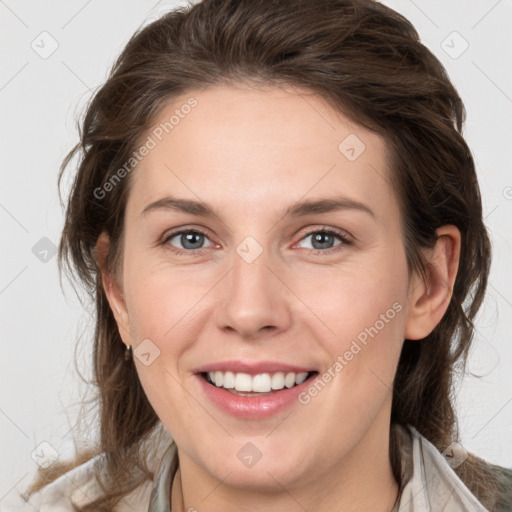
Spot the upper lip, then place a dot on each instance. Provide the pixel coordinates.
(252, 367)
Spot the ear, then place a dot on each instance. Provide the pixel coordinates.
(113, 290)
(429, 298)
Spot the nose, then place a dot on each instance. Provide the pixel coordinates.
(253, 301)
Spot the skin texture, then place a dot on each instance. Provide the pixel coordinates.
(251, 152)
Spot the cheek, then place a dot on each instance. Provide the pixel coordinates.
(358, 294)
(168, 309)
(160, 298)
(364, 307)
(364, 310)
(162, 314)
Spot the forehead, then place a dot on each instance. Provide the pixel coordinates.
(246, 148)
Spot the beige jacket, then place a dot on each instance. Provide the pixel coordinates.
(431, 484)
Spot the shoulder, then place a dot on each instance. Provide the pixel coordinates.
(434, 477)
(504, 479)
(75, 487)
(80, 486)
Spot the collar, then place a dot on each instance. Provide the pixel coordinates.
(433, 484)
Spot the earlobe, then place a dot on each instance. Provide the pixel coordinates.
(429, 297)
(113, 290)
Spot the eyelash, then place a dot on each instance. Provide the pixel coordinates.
(345, 241)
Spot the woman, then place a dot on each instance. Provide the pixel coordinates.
(280, 223)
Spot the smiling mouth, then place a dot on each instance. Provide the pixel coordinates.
(243, 384)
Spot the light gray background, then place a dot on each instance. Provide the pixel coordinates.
(39, 100)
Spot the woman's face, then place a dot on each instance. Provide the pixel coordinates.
(301, 268)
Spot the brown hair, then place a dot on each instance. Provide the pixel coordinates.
(367, 61)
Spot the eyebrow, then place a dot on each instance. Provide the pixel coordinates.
(299, 209)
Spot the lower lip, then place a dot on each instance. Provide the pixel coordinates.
(253, 407)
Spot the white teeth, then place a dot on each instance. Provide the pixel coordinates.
(243, 382)
(278, 380)
(289, 380)
(300, 377)
(260, 383)
(229, 380)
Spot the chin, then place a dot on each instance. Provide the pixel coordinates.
(270, 478)
(244, 466)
